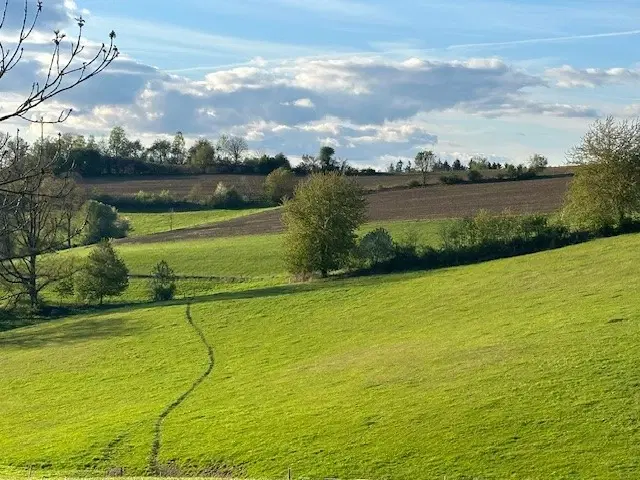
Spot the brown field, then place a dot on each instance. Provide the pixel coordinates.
(439, 201)
(250, 185)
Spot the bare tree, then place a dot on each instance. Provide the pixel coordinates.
(65, 70)
(32, 201)
(424, 162)
(234, 147)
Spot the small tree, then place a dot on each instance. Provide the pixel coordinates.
(321, 221)
(102, 222)
(424, 162)
(279, 185)
(537, 163)
(605, 191)
(162, 283)
(104, 274)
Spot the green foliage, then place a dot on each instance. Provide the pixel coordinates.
(375, 247)
(104, 274)
(486, 228)
(474, 175)
(280, 185)
(102, 222)
(162, 283)
(321, 221)
(605, 192)
(451, 179)
(424, 163)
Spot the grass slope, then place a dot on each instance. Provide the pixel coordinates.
(246, 256)
(148, 223)
(524, 367)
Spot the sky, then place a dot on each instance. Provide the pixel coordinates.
(378, 80)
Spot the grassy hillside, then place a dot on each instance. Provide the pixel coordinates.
(148, 223)
(525, 368)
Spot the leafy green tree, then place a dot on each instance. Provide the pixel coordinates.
(321, 221)
(159, 151)
(326, 160)
(118, 142)
(103, 275)
(605, 191)
(102, 222)
(202, 154)
(375, 247)
(178, 149)
(163, 282)
(280, 185)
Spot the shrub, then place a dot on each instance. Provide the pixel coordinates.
(474, 175)
(375, 247)
(103, 275)
(162, 283)
(279, 185)
(102, 222)
(452, 179)
(414, 184)
(226, 197)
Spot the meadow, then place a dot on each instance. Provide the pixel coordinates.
(149, 223)
(524, 367)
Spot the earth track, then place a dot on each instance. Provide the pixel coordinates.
(542, 195)
(154, 466)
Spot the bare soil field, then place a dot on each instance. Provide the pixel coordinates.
(252, 185)
(439, 201)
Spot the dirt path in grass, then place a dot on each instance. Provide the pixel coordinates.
(155, 468)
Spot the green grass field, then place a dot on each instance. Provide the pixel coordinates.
(148, 223)
(246, 256)
(518, 368)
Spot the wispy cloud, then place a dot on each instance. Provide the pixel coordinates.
(527, 41)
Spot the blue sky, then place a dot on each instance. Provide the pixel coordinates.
(376, 79)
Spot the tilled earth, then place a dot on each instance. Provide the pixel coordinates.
(438, 201)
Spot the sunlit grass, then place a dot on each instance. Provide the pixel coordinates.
(518, 368)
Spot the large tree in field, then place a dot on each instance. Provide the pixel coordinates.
(605, 191)
(321, 222)
(424, 163)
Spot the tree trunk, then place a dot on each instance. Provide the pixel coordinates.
(32, 285)
(324, 273)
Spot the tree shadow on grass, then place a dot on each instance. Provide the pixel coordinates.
(77, 331)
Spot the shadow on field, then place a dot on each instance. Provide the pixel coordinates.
(69, 333)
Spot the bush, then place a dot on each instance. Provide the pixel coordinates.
(414, 184)
(475, 176)
(375, 247)
(102, 222)
(279, 185)
(103, 275)
(163, 282)
(226, 197)
(452, 179)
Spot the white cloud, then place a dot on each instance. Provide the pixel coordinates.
(570, 77)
